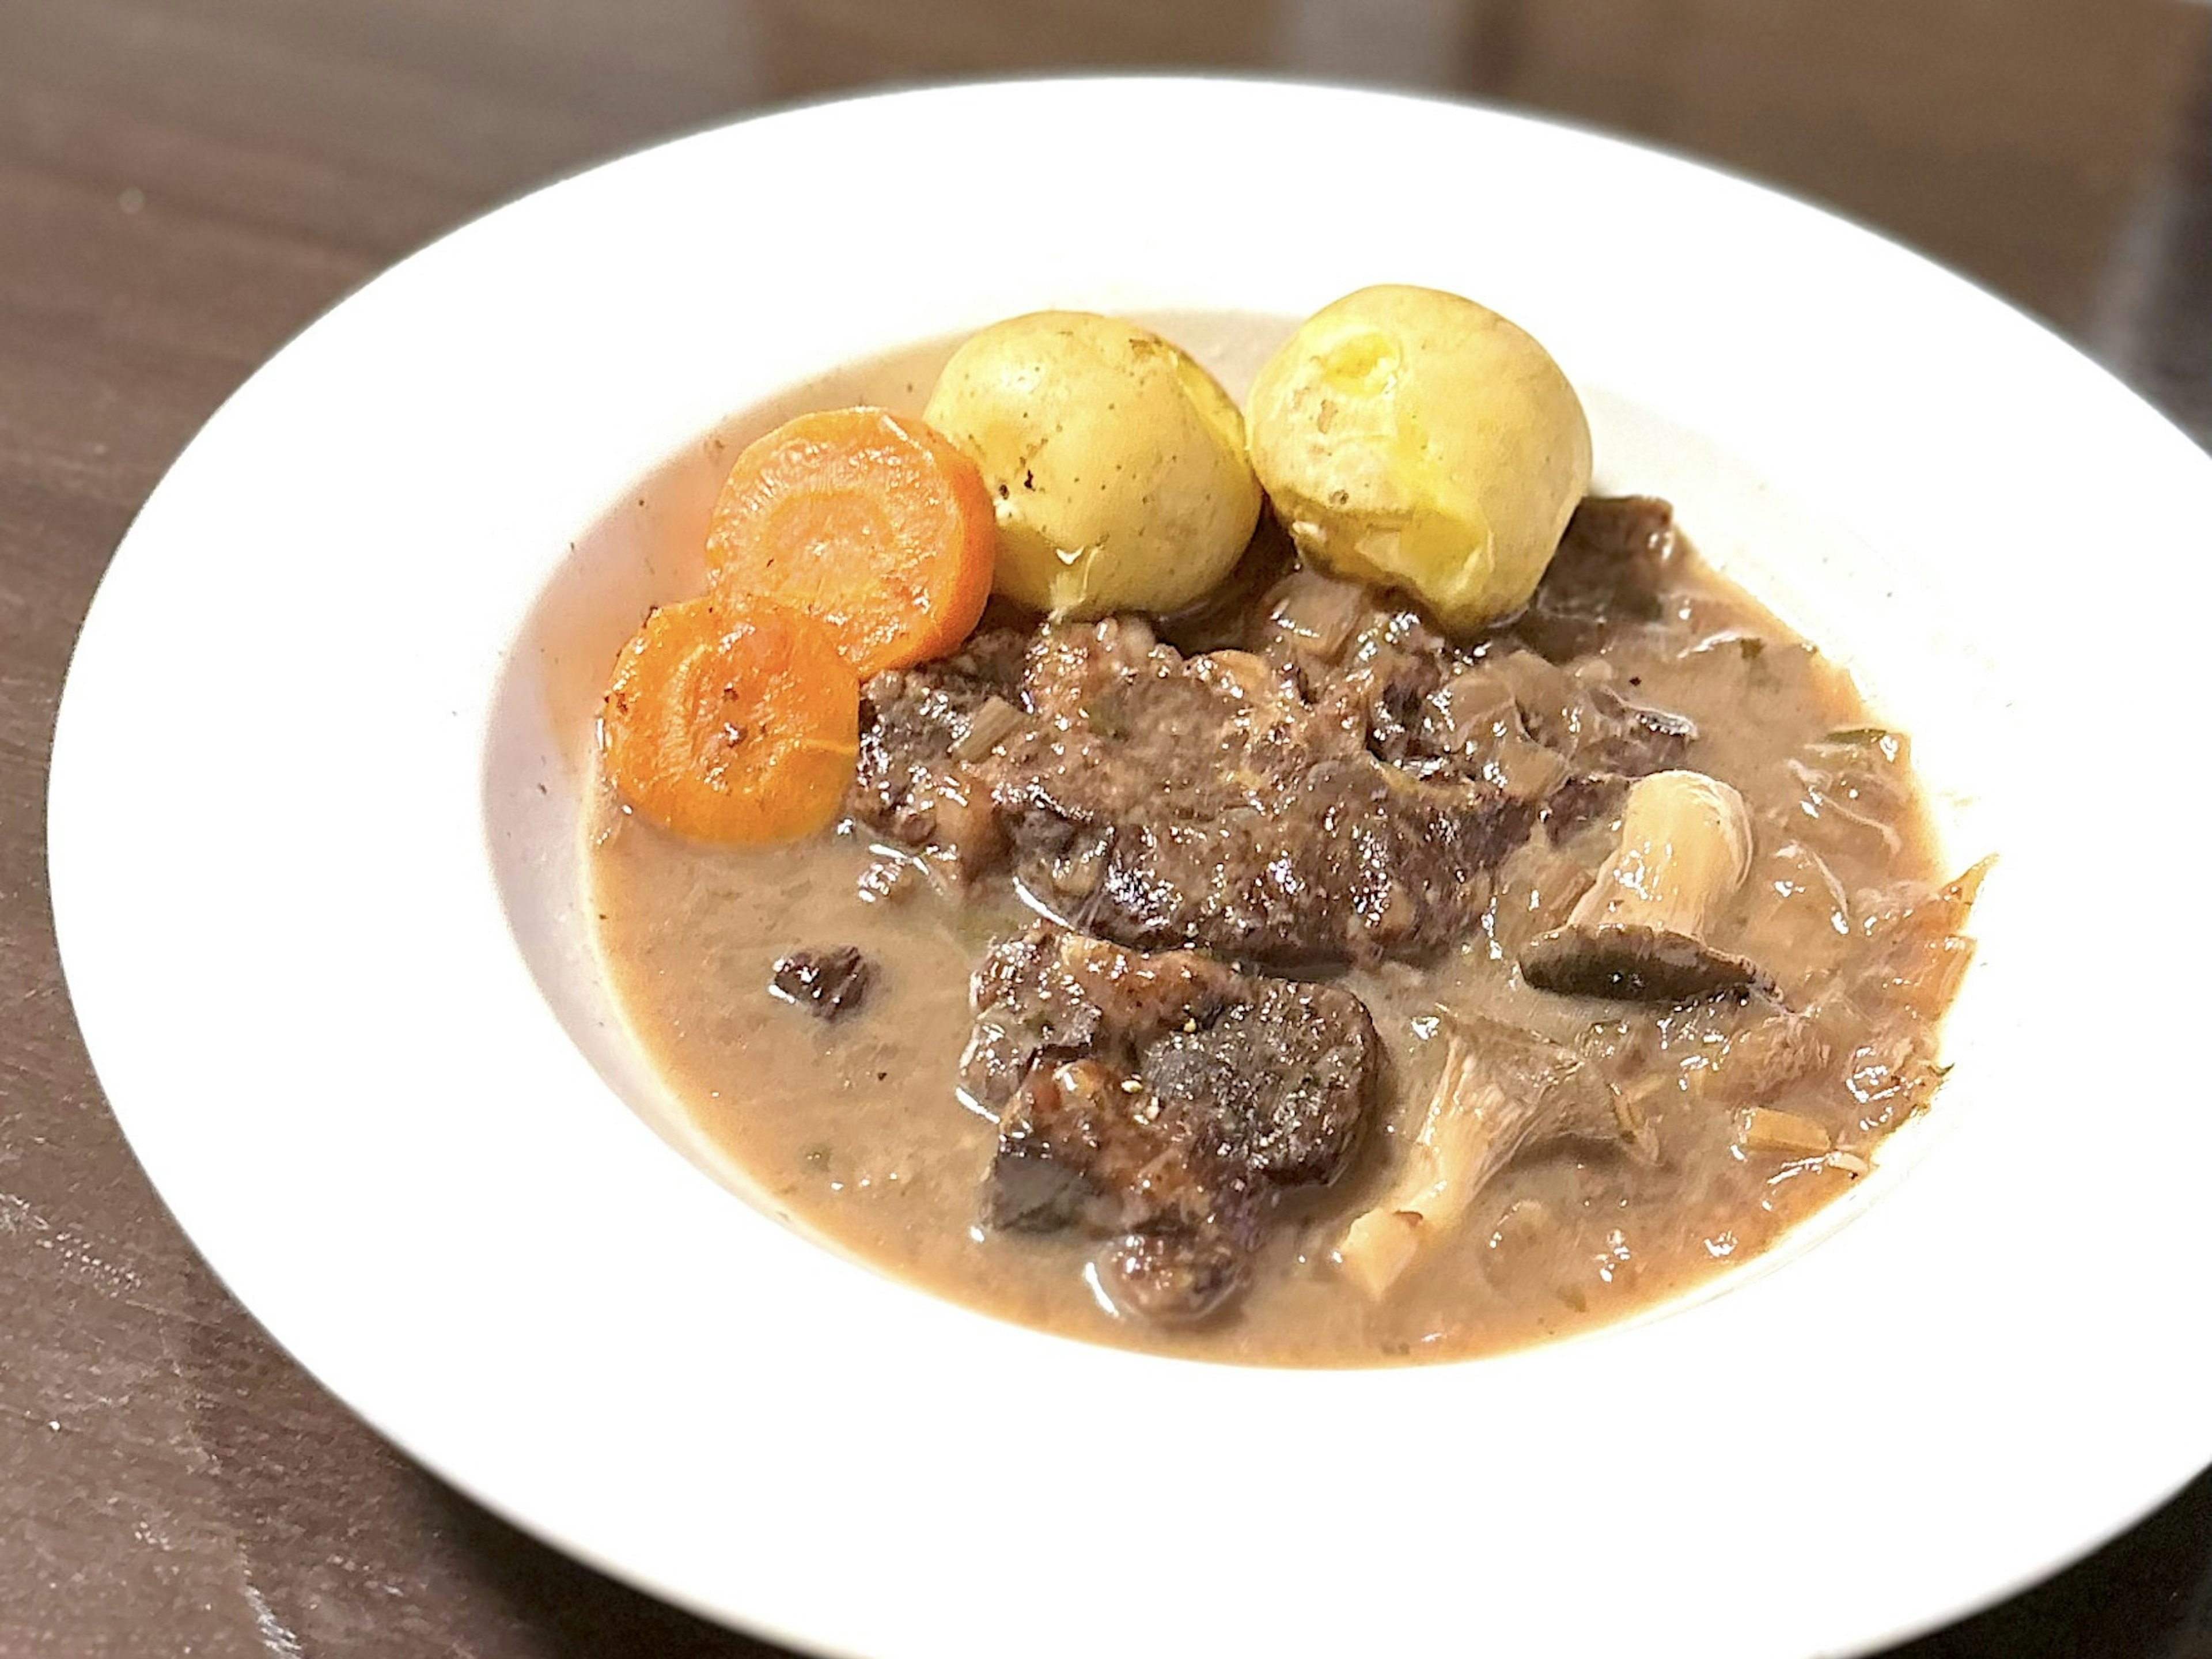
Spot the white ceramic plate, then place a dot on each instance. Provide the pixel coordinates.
(312, 847)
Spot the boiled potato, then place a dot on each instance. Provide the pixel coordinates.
(1116, 463)
(1414, 439)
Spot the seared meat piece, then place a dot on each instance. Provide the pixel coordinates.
(1493, 710)
(1340, 792)
(1365, 658)
(825, 982)
(914, 779)
(1165, 1101)
(1606, 574)
(1165, 801)
(1162, 800)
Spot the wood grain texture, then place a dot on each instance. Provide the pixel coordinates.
(183, 183)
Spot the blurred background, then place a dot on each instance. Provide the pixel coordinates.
(183, 183)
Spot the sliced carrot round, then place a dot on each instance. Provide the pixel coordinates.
(732, 720)
(872, 522)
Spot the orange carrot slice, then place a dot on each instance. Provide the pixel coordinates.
(872, 522)
(732, 720)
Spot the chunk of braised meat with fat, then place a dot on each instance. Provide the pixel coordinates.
(1341, 791)
(1165, 801)
(1363, 657)
(1562, 738)
(1381, 677)
(1609, 573)
(922, 731)
(1501, 1093)
(1558, 738)
(1164, 1101)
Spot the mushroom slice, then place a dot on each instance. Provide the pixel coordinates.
(1470, 1131)
(1501, 1093)
(1640, 932)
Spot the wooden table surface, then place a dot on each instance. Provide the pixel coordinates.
(184, 183)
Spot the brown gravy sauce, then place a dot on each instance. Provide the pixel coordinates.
(855, 1132)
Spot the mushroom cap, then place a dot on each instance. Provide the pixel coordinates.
(1633, 963)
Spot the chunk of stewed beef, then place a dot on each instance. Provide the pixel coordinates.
(1163, 800)
(1166, 801)
(1607, 574)
(1365, 658)
(914, 779)
(1163, 1102)
(1338, 786)
(1491, 710)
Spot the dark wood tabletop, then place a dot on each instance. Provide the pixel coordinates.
(183, 183)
